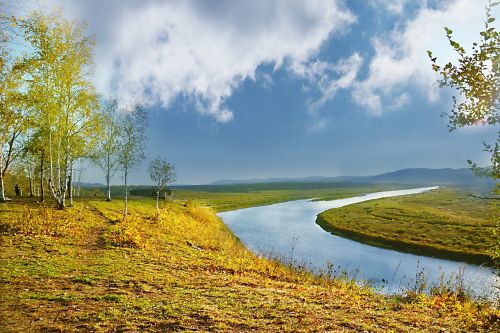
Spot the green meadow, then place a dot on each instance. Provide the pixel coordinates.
(447, 223)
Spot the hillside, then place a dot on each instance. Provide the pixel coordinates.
(412, 176)
(80, 270)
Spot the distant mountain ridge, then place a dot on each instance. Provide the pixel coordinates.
(411, 176)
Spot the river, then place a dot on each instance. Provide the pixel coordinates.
(288, 230)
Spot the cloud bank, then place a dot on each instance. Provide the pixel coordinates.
(399, 64)
(400, 60)
(155, 51)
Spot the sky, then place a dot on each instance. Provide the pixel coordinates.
(283, 88)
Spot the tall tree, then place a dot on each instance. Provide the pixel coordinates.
(108, 145)
(62, 94)
(35, 147)
(476, 78)
(161, 174)
(13, 120)
(132, 141)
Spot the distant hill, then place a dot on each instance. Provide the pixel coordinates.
(312, 179)
(431, 176)
(416, 176)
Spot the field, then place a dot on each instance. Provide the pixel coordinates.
(235, 196)
(230, 197)
(84, 270)
(446, 223)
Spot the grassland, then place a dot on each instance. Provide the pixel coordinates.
(230, 197)
(447, 223)
(84, 270)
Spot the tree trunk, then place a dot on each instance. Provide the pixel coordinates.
(58, 195)
(157, 202)
(108, 180)
(30, 176)
(41, 179)
(70, 187)
(61, 204)
(108, 191)
(126, 196)
(2, 187)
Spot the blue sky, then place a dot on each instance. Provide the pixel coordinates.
(257, 89)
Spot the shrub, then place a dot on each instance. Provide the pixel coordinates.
(127, 233)
(48, 222)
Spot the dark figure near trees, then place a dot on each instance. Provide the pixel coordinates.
(17, 189)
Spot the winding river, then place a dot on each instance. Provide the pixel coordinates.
(288, 230)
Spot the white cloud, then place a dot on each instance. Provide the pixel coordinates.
(392, 6)
(154, 51)
(318, 125)
(344, 77)
(401, 60)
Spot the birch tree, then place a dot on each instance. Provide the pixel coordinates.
(12, 109)
(108, 145)
(132, 142)
(161, 174)
(62, 94)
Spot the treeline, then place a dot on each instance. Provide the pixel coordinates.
(52, 117)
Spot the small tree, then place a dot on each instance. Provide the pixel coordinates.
(108, 145)
(132, 142)
(161, 174)
(477, 79)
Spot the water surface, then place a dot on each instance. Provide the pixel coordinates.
(288, 230)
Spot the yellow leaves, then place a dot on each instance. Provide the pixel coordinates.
(61, 91)
(47, 222)
(13, 21)
(127, 233)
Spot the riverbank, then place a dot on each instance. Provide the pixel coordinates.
(444, 223)
(78, 270)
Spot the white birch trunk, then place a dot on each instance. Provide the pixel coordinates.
(157, 202)
(126, 194)
(70, 184)
(108, 177)
(42, 194)
(2, 187)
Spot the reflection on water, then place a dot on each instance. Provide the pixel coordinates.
(289, 230)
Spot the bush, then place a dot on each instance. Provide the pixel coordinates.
(127, 233)
(48, 222)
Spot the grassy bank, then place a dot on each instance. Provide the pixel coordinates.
(78, 270)
(444, 223)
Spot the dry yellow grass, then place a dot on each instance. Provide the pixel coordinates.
(188, 272)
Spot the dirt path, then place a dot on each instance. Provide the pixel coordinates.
(94, 241)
